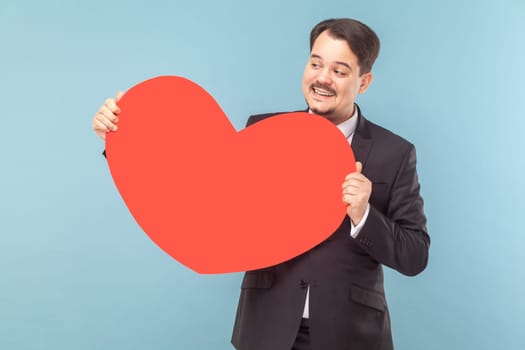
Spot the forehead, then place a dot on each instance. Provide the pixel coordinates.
(331, 49)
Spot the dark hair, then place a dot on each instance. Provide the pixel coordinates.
(362, 40)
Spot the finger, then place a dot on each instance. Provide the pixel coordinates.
(107, 113)
(349, 177)
(99, 127)
(355, 175)
(347, 200)
(353, 184)
(111, 104)
(353, 192)
(358, 167)
(119, 95)
(354, 178)
(106, 122)
(352, 188)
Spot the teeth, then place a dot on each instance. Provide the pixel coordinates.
(323, 93)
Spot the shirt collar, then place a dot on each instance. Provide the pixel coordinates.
(348, 126)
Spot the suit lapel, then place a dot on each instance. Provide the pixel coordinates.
(362, 141)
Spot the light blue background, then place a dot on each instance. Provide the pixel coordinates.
(76, 272)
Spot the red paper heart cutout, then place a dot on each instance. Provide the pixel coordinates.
(218, 200)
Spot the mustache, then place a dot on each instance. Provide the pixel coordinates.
(323, 87)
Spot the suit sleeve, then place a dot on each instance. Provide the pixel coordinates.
(399, 239)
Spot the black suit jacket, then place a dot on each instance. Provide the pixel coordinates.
(348, 309)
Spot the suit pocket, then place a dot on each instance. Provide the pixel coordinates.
(368, 298)
(259, 279)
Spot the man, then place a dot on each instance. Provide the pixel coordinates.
(332, 297)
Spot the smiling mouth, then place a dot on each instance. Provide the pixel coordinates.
(323, 92)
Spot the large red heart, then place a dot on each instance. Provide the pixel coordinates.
(218, 200)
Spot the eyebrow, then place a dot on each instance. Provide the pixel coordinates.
(337, 62)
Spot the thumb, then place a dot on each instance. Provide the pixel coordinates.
(358, 167)
(119, 95)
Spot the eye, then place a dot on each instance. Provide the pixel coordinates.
(315, 65)
(340, 73)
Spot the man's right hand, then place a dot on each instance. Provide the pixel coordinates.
(106, 119)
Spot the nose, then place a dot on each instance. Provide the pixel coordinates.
(324, 77)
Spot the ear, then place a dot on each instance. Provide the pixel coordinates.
(366, 80)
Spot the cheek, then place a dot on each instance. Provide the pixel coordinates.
(349, 90)
(357, 87)
(309, 75)
(307, 81)
(304, 87)
(306, 78)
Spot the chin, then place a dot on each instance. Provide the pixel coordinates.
(323, 112)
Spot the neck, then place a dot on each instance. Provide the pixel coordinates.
(343, 119)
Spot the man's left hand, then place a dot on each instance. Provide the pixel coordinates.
(356, 193)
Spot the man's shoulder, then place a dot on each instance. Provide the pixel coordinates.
(366, 128)
(381, 134)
